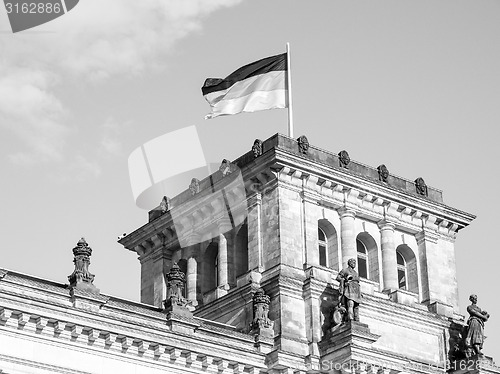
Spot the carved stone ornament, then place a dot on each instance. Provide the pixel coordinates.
(81, 277)
(261, 310)
(344, 159)
(175, 286)
(257, 148)
(383, 173)
(303, 144)
(420, 186)
(164, 205)
(194, 187)
(225, 167)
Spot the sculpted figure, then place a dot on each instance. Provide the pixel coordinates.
(261, 310)
(165, 204)
(257, 148)
(475, 329)
(225, 167)
(350, 294)
(303, 144)
(344, 159)
(175, 286)
(383, 173)
(194, 187)
(420, 186)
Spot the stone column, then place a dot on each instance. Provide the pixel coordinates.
(192, 277)
(389, 263)
(222, 269)
(226, 253)
(347, 235)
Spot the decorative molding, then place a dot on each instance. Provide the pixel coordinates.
(129, 344)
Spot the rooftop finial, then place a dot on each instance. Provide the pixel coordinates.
(81, 278)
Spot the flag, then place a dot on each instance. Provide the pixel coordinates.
(256, 86)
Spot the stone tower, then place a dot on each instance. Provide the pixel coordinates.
(282, 220)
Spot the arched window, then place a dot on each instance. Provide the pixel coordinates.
(367, 256)
(401, 271)
(322, 246)
(407, 268)
(328, 246)
(362, 259)
(210, 267)
(241, 251)
(183, 266)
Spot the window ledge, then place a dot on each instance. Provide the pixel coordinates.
(403, 297)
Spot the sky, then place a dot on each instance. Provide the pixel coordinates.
(414, 85)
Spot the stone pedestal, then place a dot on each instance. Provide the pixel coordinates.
(340, 341)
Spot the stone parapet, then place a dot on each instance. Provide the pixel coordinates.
(118, 331)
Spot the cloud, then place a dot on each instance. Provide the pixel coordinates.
(93, 42)
(110, 144)
(32, 113)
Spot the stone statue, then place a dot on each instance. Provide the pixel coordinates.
(344, 159)
(194, 187)
(164, 205)
(303, 144)
(225, 167)
(175, 286)
(350, 294)
(383, 173)
(257, 148)
(475, 328)
(420, 186)
(261, 310)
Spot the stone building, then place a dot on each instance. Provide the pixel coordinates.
(239, 275)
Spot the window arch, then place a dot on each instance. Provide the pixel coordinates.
(407, 268)
(322, 247)
(402, 275)
(241, 251)
(367, 256)
(362, 259)
(182, 263)
(328, 248)
(210, 267)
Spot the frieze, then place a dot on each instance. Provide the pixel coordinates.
(87, 335)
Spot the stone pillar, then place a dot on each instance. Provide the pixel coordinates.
(389, 262)
(226, 265)
(347, 235)
(222, 269)
(192, 278)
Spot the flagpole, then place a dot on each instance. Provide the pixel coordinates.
(289, 90)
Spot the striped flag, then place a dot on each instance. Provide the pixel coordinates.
(257, 86)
